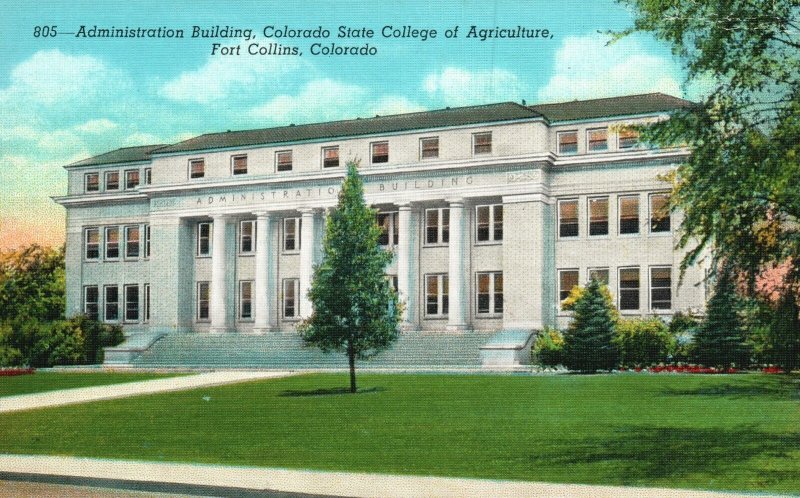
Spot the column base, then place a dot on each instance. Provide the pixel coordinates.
(457, 327)
(261, 330)
(219, 330)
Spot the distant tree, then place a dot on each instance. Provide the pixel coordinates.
(589, 342)
(32, 283)
(356, 311)
(721, 338)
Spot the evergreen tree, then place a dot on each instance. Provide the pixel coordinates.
(589, 341)
(784, 333)
(356, 311)
(721, 339)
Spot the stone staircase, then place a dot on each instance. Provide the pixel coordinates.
(413, 350)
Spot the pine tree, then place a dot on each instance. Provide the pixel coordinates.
(721, 338)
(355, 309)
(589, 341)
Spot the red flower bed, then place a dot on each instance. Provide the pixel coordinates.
(772, 370)
(690, 369)
(9, 372)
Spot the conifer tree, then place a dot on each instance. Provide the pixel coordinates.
(721, 338)
(589, 341)
(356, 311)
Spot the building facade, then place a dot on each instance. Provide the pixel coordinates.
(493, 214)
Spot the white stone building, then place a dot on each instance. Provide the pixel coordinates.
(493, 212)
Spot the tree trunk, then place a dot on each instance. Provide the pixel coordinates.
(351, 356)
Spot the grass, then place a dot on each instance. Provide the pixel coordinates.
(53, 381)
(738, 432)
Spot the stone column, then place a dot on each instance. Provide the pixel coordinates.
(306, 260)
(457, 291)
(261, 297)
(405, 236)
(219, 296)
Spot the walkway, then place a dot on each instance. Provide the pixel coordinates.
(112, 391)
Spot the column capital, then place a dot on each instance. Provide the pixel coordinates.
(404, 206)
(262, 214)
(221, 216)
(455, 201)
(307, 211)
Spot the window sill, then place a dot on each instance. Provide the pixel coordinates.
(482, 316)
(628, 235)
(660, 234)
(490, 243)
(599, 237)
(440, 244)
(203, 256)
(436, 317)
(291, 253)
(246, 254)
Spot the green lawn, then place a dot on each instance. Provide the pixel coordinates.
(738, 432)
(53, 381)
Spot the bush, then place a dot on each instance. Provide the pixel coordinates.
(643, 343)
(589, 341)
(548, 350)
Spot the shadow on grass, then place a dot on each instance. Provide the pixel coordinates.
(644, 454)
(333, 391)
(784, 387)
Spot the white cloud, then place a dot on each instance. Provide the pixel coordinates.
(139, 138)
(585, 68)
(457, 87)
(320, 100)
(220, 76)
(96, 126)
(392, 104)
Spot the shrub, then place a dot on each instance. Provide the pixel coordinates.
(548, 350)
(589, 341)
(643, 342)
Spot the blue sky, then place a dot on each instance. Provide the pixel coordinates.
(64, 98)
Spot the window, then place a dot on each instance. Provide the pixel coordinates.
(380, 152)
(247, 233)
(437, 226)
(659, 213)
(490, 293)
(204, 239)
(131, 178)
(112, 180)
(132, 242)
(146, 302)
(490, 223)
(429, 148)
(567, 279)
(628, 289)
(92, 182)
(597, 139)
(629, 214)
(291, 234)
(91, 302)
(148, 176)
(197, 168)
(661, 288)
(112, 242)
(239, 164)
(202, 301)
(568, 218)
(330, 157)
(436, 303)
(387, 222)
(482, 143)
(92, 243)
(246, 299)
(112, 302)
(599, 274)
(628, 139)
(291, 291)
(598, 216)
(147, 241)
(567, 142)
(131, 303)
(283, 160)
(392, 279)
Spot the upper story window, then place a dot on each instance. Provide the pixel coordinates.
(91, 302)
(91, 243)
(429, 148)
(204, 239)
(132, 241)
(283, 160)
(628, 139)
(197, 168)
(131, 178)
(568, 218)
(112, 180)
(482, 143)
(599, 274)
(598, 216)
(567, 142)
(628, 214)
(489, 297)
(387, 222)
(239, 164)
(661, 288)
(330, 157)
(489, 224)
(567, 279)
(659, 213)
(247, 234)
(437, 226)
(597, 140)
(91, 182)
(380, 152)
(148, 176)
(292, 228)
(112, 242)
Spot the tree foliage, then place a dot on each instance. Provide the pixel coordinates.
(721, 339)
(356, 311)
(32, 283)
(589, 341)
(643, 342)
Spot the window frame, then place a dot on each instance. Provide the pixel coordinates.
(128, 242)
(147, 241)
(338, 156)
(86, 176)
(559, 134)
(620, 199)
(199, 239)
(475, 143)
(252, 237)
(620, 138)
(560, 272)
(651, 288)
(241, 307)
(589, 222)
(372, 156)
(650, 198)
(146, 310)
(199, 301)
(393, 232)
(107, 302)
(278, 154)
(106, 177)
(442, 295)
(295, 283)
(96, 303)
(577, 203)
(492, 313)
(86, 244)
(148, 176)
(606, 269)
(492, 228)
(629, 289)
(126, 305)
(298, 233)
(191, 163)
(589, 131)
(107, 243)
(442, 229)
(422, 149)
(128, 173)
(234, 158)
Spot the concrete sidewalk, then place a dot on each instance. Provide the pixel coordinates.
(112, 391)
(250, 481)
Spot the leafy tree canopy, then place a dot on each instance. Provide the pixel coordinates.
(32, 283)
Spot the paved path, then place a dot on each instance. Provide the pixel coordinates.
(112, 391)
(244, 481)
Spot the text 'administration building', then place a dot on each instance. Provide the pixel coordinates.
(493, 212)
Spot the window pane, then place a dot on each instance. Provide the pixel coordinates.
(432, 226)
(629, 214)
(384, 222)
(330, 157)
(239, 165)
(445, 297)
(661, 288)
(629, 289)
(601, 275)
(568, 218)
(628, 138)
(567, 280)
(598, 216)
(197, 168)
(598, 139)
(132, 242)
(131, 302)
(432, 294)
(285, 161)
(380, 152)
(498, 222)
(568, 142)
(483, 143)
(659, 213)
(112, 181)
(92, 182)
(131, 179)
(430, 148)
(483, 223)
